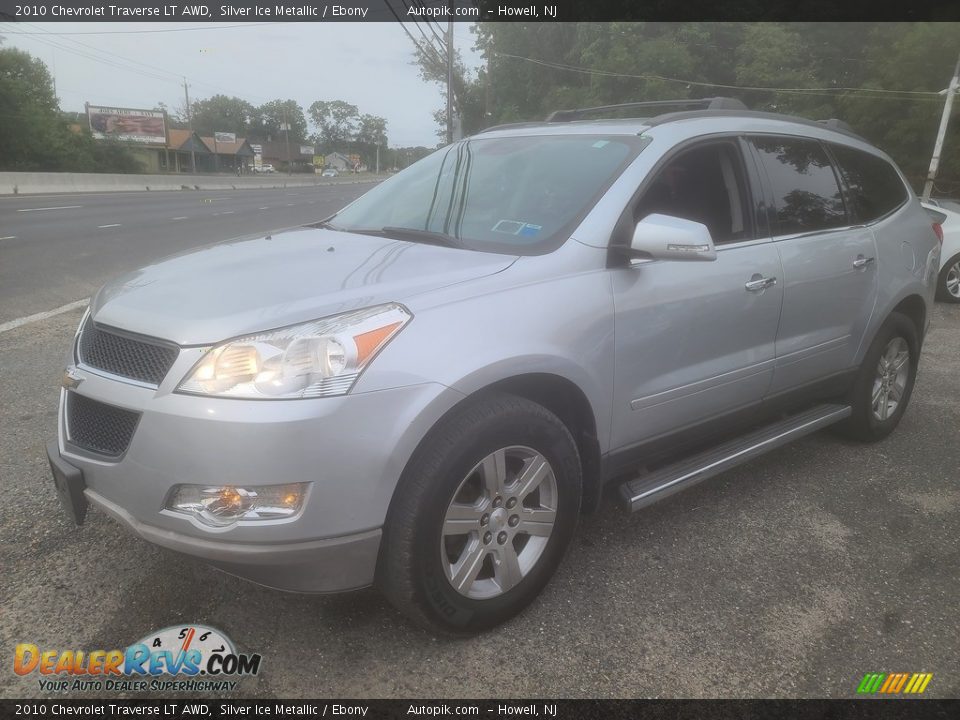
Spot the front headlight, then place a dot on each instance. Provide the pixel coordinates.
(314, 359)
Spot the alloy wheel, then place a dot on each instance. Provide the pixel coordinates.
(498, 522)
(890, 382)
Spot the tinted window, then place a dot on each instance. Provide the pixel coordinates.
(875, 187)
(805, 190)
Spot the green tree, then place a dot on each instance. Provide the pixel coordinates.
(371, 134)
(910, 57)
(337, 122)
(222, 113)
(31, 131)
(35, 135)
(268, 119)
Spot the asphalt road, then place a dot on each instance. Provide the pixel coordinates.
(791, 576)
(55, 249)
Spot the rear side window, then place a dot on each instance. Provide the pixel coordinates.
(805, 190)
(875, 186)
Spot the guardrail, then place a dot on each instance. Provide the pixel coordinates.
(32, 183)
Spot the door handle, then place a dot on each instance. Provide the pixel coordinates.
(760, 284)
(862, 261)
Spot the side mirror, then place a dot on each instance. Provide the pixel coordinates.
(664, 237)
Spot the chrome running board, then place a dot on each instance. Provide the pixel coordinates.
(648, 489)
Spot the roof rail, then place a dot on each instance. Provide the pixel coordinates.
(714, 103)
(505, 126)
(838, 126)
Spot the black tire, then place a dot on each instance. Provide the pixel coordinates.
(410, 570)
(942, 293)
(863, 425)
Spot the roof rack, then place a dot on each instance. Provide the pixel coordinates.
(838, 126)
(714, 103)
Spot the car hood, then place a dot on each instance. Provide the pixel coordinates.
(254, 284)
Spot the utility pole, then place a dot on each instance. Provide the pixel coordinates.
(942, 132)
(378, 157)
(193, 155)
(449, 81)
(286, 133)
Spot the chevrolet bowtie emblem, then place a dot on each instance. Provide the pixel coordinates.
(71, 378)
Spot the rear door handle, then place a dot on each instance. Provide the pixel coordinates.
(760, 284)
(862, 261)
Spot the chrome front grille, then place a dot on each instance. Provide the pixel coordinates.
(144, 360)
(98, 427)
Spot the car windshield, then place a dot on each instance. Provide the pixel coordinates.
(519, 195)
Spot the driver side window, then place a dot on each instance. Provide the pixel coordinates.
(705, 184)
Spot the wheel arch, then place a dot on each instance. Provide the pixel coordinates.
(568, 402)
(915, 308)
(565, 399)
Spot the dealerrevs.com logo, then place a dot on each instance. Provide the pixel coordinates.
(195, 658)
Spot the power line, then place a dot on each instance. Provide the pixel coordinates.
(829, 92)
(89, 52)
(66, 48)
(93, 49)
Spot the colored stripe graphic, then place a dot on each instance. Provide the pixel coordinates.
(894, 683)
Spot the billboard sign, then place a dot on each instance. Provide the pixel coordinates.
(146, 127)
(306, 149)
(225, 137)
(318, 161)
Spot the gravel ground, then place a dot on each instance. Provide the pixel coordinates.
(791, 576)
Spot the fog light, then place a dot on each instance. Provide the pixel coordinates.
(226, 504)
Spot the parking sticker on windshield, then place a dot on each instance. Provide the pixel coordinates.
(601, 143)
(515, 227)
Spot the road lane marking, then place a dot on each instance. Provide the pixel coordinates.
(111, 225)
(264, 208)
(227, 212)
(37, 317)
(59, 207)
(290, 204)
(8, 237)
(181, 218)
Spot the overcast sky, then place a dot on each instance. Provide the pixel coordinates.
(365, 64)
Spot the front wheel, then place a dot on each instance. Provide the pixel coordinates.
(884, 382)
(482, 515)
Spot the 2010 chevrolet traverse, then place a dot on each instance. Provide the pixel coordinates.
(424, 391)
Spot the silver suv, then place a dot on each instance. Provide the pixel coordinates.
(424, 391)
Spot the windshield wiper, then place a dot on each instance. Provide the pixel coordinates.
(323, 225)
(427, 236)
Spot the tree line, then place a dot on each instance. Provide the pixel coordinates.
(36, 135)
(882, 78)
(341, 127)
(815, 70)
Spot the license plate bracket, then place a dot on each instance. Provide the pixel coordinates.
(69, 483)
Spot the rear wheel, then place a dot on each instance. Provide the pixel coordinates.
(884, 382)
(482, 516)
(948, 284)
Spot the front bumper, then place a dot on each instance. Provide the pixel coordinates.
(351, 449)
(332, 565)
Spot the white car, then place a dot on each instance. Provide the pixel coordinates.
(265, 168)
(947, 214)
